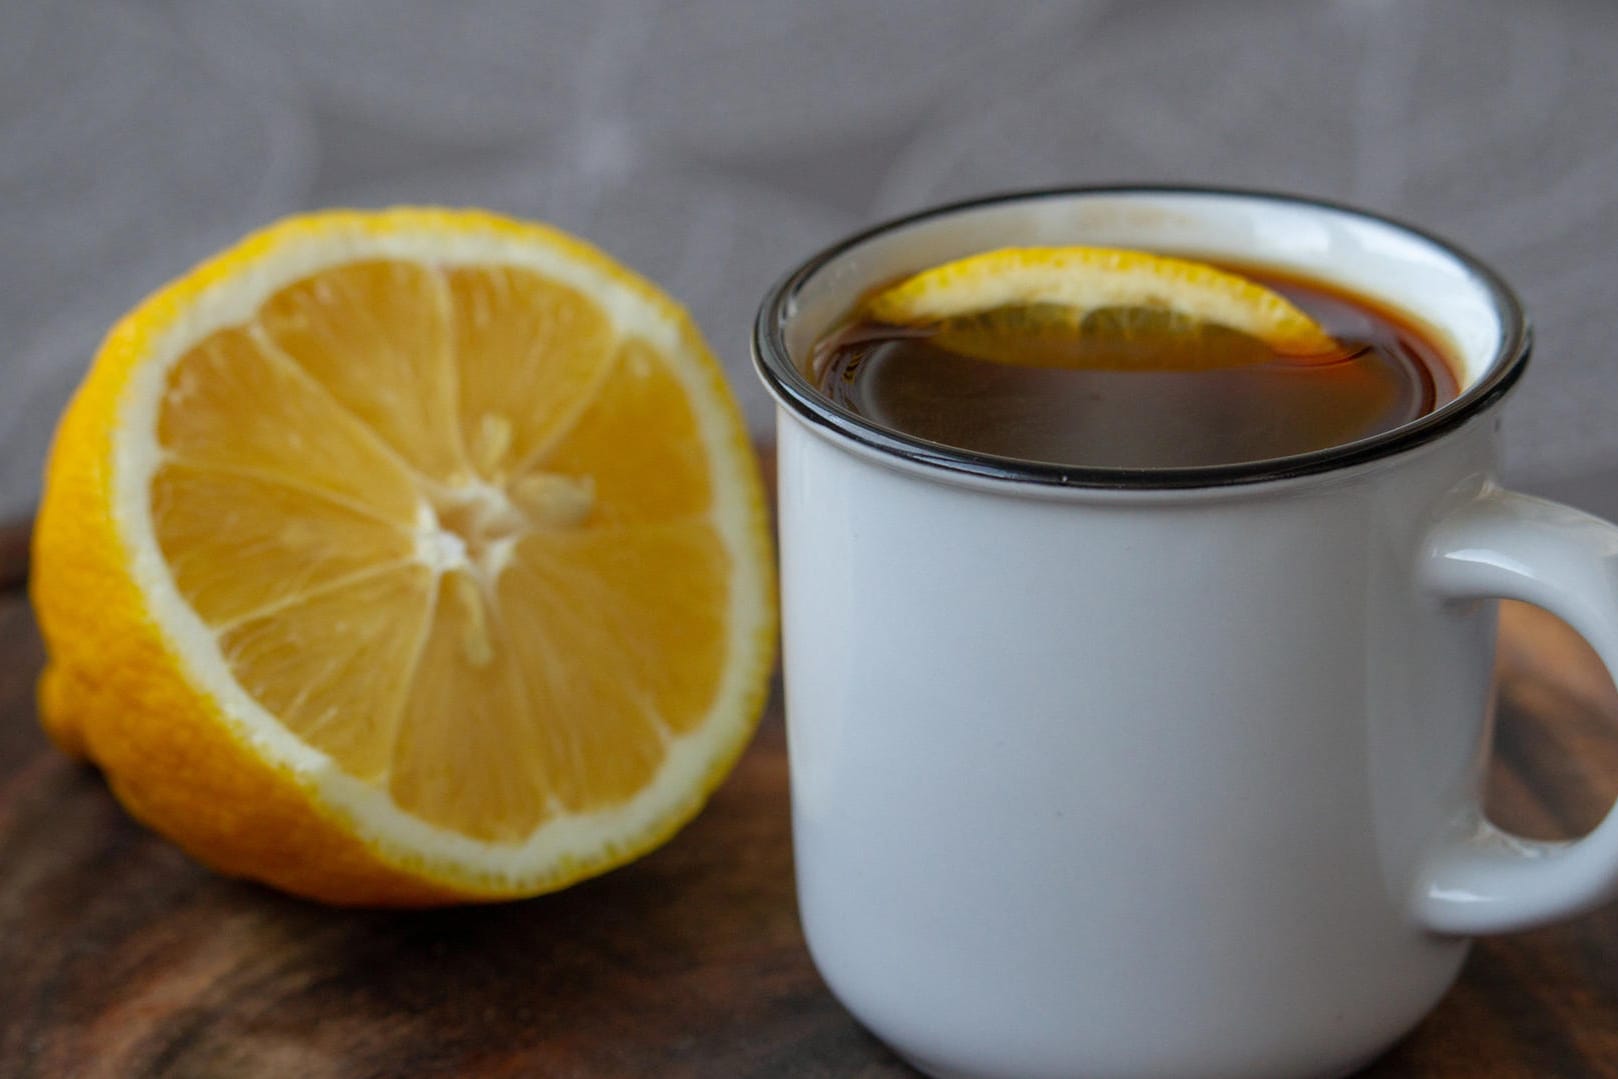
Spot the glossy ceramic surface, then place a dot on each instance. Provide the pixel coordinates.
(1118, 777)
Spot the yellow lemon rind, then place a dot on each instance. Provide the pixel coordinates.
(132, 683)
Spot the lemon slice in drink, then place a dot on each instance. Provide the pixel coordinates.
(1100, 307)
(406, 557)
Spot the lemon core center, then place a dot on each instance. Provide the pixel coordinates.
(474, 525)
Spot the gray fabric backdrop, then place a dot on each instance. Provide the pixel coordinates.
(711, 143)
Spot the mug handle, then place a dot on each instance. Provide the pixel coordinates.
(1506, 545)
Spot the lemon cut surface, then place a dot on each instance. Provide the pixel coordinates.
(406, 557)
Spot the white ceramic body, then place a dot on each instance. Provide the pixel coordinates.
(1160, 783)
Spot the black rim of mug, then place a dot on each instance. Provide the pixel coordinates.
(792, 387)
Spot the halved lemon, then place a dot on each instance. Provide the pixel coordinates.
(1044, 306)
(406, 557)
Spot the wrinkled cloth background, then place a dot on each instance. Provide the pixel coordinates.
(712, 144)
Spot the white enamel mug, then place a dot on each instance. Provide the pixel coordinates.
(1162, 774)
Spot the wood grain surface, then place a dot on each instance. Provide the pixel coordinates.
(120, 958)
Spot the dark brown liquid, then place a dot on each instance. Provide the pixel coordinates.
(1387, 374)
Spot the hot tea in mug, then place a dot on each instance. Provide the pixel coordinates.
(1137, 387)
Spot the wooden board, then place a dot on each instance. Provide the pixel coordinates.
(121, 958)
